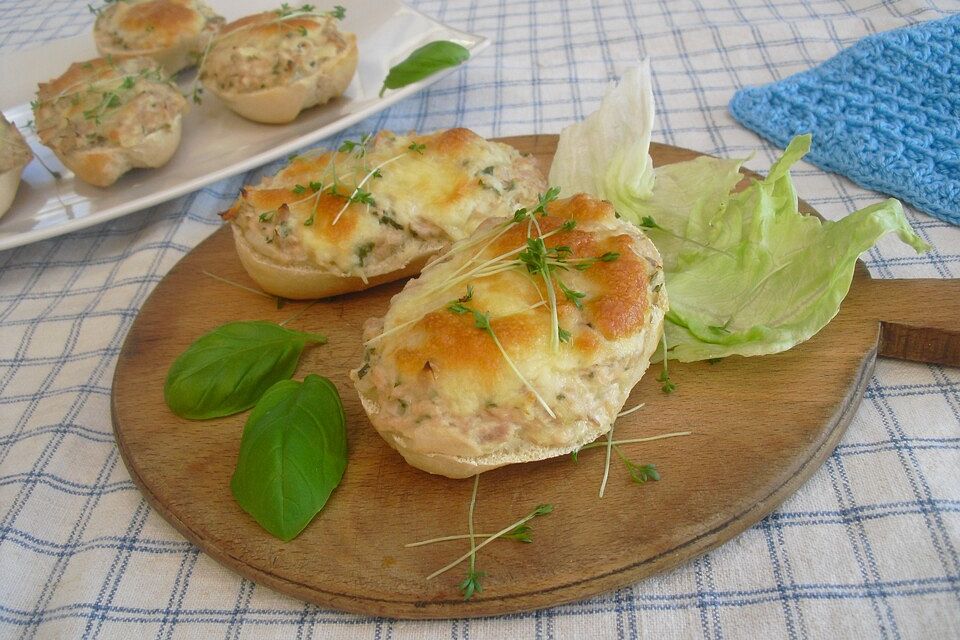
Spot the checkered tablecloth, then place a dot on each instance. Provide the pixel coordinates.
(869, 547)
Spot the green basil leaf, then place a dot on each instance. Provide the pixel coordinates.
(292, 455)
(424, 62)
(228, 369)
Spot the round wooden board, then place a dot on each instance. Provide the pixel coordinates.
(761, 427)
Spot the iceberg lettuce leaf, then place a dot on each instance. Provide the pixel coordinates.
(608, 153)
(746, 273)
(686, 199)
(767, 277)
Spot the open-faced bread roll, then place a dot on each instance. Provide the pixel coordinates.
(375, 210)
(15, 154)
(271, 66)
(175, 33)
(104, 117)
(520, 343)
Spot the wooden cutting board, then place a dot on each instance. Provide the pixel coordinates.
(761, 427)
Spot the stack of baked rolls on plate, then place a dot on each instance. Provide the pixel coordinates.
(124, 110)
(526, 329)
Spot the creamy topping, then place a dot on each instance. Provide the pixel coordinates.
(147, 25)
(269, 50)
(102, 103)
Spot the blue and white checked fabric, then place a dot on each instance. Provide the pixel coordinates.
(884, 112)
(870, 547)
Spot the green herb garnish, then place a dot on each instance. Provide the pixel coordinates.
(293, 453)
(230, 368)
(573, 296)
(639, 473)
(361, 196)
(518, 531)
(471, 584)
(363, 251)
(668, 385)
(424, 62)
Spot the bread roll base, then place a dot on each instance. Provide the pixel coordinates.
(9, 182)
(302, 283)
(102, 166)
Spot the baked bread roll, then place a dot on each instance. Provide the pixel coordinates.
(271, 66)
(15, 154)
(374, 211)
(174, 33)
(471, 369)
(104, 117)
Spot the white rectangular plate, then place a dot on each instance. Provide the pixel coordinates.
(216, 143)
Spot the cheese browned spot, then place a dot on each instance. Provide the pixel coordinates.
(616, 304)
(174, 33)
(439, 389)
(619, 303)
(266, 24)
(166, 20)
(429, 190)
(451, 142)
(452, 343)
(621, 307)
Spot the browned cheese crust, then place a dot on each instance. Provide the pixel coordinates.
(299, 235)
(174, 33)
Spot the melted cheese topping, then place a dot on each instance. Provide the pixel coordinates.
(416, 198)
(442, 386)
(262, 51)
(101, 103)
(146, 25)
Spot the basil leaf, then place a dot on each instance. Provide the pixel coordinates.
(228, 369)
(424, 62)
(292, 455)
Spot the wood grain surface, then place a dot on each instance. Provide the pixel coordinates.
(761, 426)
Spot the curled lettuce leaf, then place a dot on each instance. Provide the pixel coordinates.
(608, 154)
(746, 273)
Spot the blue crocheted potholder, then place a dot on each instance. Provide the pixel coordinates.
(885, 113)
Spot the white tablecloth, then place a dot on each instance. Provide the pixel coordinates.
(870, 547)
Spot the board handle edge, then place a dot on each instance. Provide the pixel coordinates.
(919, 319)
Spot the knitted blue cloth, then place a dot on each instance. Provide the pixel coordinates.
(885, 113)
